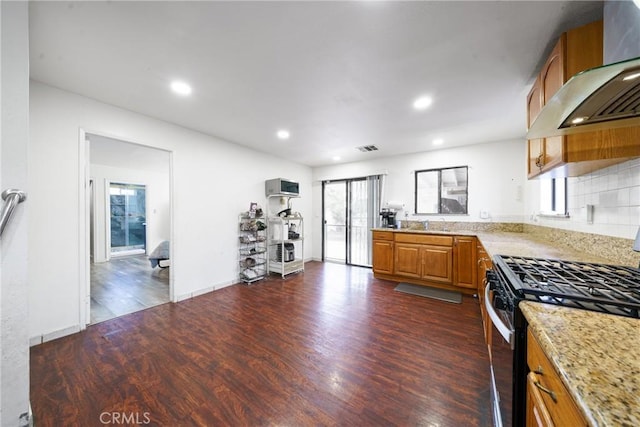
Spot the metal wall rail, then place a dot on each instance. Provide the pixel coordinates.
(12, 198)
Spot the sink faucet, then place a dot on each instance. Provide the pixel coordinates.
(444, 222)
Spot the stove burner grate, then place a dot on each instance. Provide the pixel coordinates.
(599, 287)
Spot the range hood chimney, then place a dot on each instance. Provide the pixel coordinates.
(605, 97)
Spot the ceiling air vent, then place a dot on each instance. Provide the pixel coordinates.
(367, 148)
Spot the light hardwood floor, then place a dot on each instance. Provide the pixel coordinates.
(332, 346)
(125, 285)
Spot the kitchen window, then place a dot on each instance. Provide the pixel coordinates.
(442, 191)
(553, 197)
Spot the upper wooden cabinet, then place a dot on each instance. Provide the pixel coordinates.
(576, 50)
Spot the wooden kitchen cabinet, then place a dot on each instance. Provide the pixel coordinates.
(483, 265)
(464, 256)
(535, 148)
(408, 260)
(382, 252)
(548, 400)
(423, 258)
(432, 263)
(573, 155)
(437, 264)
(537, 414)
(426, 257)
(552, 77)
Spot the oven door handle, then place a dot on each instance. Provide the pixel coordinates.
(504, 330)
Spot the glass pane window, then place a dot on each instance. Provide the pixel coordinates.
(553, 196)
(442, 191)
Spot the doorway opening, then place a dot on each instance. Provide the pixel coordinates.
(129, 214)
(350, 210)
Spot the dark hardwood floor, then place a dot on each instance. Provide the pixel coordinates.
(331, 346)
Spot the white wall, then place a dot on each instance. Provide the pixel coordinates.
(156, 197)
(614, 192)
(14, 278)
(496, 181)
(213, 181)
(621, 31)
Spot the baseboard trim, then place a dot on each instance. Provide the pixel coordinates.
(41, 339)
(203, 291)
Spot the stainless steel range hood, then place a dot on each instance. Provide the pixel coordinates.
(600, 98)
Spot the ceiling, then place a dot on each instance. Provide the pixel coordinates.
(336, 75)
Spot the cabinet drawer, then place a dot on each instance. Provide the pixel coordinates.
(382, 235)
(555, 395)
(424, 239)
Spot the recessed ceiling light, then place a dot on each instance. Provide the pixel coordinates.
(181, 88)
(438, 141)
(422, 103)
(336, 158)
(283, 134)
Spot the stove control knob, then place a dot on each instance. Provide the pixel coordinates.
(498, 303)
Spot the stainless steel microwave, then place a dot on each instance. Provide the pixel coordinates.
(281, 186)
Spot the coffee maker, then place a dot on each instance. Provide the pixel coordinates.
(388, 217)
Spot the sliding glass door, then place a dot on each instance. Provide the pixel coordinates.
(335, 221)
(128, 217)
(350, 209)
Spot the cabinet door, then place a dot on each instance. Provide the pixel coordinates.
(552, 77)
(555, 152)
(382, 257)
(407, 260)
(537, 413)
(464, 257)
(553, 393)
(535, 154)
(553, 74)
(437, 264)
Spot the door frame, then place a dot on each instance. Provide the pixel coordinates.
(84, 212)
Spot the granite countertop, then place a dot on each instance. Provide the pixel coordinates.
(435, 232)
(529, 245)
(596, 357)
(515, 243)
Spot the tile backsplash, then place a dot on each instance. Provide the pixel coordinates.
(614, 193)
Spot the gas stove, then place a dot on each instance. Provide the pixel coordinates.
(605, 288)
